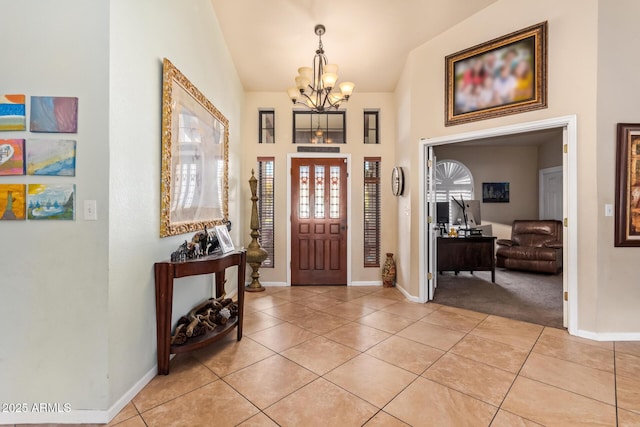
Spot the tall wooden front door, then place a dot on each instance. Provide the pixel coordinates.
(319, 221)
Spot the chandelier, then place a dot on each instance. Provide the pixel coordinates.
(314, 85)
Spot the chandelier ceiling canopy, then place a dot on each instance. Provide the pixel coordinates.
(314, 86)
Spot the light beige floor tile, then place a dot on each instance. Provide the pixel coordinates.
(382, 419)
(629, 347)
(410, 310)
(321, 404)
(263, 302)
(432, 335)
(493, 353)
(344, 294)
(226, 357)
(136, 421)
(467, 376)
(627, 365)
(319, 322)
(185, 374)
(451, 320)
(580, 379)
(371, 379)
(406, 354)
(357, 336)
(391, 293)
(216, 401)
(425, 403)
(289, 311)
(507, 419)
(563, 334)
(259, 420)
(320, 302)
(370, 289)
(373, 301)
(551, 406)
(628, 418)
(269, 380)
(317, 289)
(349, 311)
(513, 332)
(295, 293)
(282, 337)
(257, 321)
(129, 411)
(628, 393)
(574, 351)
(320, 355)
(385, 321)
(465, 312)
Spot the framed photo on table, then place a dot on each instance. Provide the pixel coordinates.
(627, 220)
(506, 75)
(226, 244)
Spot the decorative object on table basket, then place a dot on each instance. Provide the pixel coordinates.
(389, 272)
(255, 253)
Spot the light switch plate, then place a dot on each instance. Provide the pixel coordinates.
(90, 210)
(608, 209)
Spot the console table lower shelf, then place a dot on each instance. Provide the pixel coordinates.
(166, 272)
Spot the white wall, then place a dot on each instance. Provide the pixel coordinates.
(618, 91)
(591, 74)
(78, 297)
(54, 277)
(142, 33)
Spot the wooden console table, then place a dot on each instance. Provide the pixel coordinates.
(473, 253)
(166, 272)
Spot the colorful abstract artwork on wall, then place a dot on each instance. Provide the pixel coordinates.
(51, 157)
(51, 201)
(11, 157)
(12, 112)
(54, 114)
(12, 202)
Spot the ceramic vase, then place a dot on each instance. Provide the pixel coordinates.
(389, 272)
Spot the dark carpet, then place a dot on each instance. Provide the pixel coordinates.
(530, 297)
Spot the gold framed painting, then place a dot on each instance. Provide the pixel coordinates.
(195, 158)
(627, 224)
(506, 75)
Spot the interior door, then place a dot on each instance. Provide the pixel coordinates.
(432, 229)
(551, 199)
(319, 221)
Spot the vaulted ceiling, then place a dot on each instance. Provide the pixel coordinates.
(368, 39)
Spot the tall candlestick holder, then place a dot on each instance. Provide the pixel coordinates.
(255, 253)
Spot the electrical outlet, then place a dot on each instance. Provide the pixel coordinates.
(90, 210)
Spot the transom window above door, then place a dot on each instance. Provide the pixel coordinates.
(319, 128)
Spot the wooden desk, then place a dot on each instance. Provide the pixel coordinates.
(166, 272)
(473, 253)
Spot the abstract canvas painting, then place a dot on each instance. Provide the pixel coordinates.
(51, 201)
(51, 157)
(54, 114)
(12, 112)
(11, 156)
(12, 201)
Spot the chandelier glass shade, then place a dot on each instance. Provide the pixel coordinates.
(314, 85)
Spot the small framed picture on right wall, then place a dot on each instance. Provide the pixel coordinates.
(495, 192)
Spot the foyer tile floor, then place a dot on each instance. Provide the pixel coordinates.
(328, 356)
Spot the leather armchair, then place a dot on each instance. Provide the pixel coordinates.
(535, 245)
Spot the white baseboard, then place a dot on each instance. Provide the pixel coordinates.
(407, 295)
(270, 284)
(609, 336)
(35, 415)
(367, 283)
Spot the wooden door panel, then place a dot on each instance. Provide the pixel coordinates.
(318, 221)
